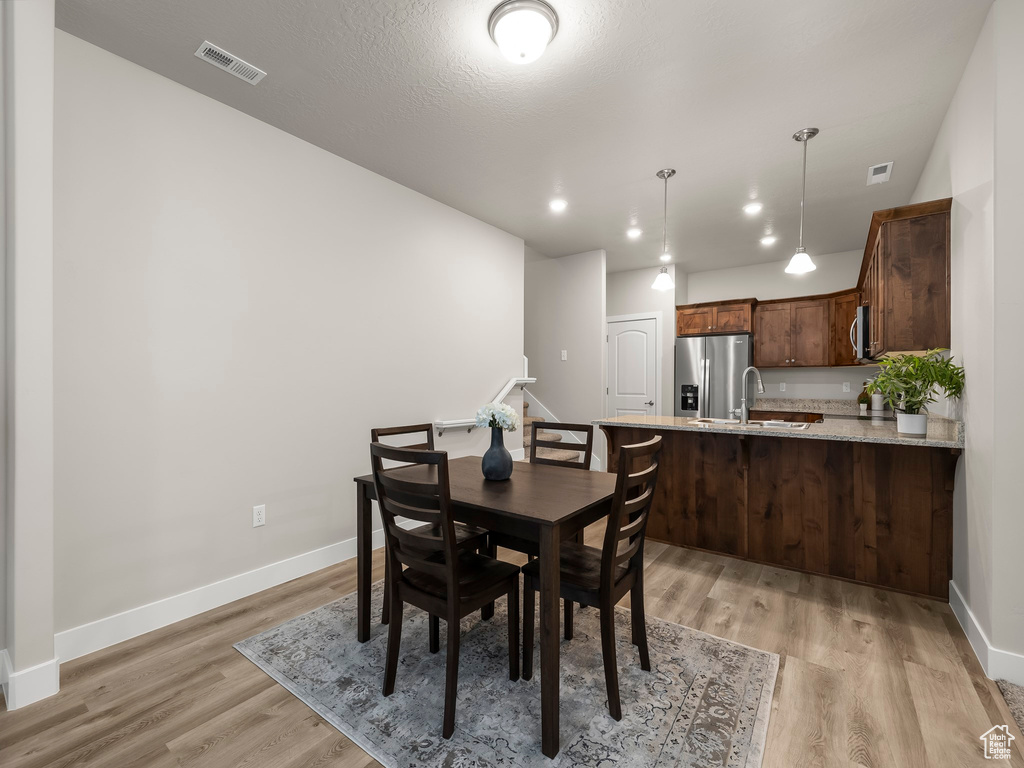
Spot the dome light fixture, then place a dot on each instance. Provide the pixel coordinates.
(522, 29)
(664, 282)
(801, 262)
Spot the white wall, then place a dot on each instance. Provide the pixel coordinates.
(565, 309)
(630, 293)
(235, 309)
(28, 73)
(977, 159)
(835, 272)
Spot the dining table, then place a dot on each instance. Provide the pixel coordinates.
(541, 503)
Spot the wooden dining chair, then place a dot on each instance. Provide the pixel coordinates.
(466, 536)
(602, 577)
(428, 568)
(586, 454)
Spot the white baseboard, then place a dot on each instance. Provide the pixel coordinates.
(29, 685)
(997, 663)
(102, 633)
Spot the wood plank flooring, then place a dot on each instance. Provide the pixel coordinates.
(868, 678)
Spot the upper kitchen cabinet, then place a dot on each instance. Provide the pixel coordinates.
(842, 313)
(702, 319)
(905, 278)
(792, 333)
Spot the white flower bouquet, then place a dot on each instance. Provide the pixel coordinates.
(498, 415)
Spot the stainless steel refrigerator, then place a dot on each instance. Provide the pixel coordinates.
(709, 372)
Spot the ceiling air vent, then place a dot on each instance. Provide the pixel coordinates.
(879, 174)
(221, 58)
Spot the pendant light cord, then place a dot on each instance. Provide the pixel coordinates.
(803, 195)
(664, 228)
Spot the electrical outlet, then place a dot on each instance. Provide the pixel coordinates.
(565, 354)
(259, 515)
(846, 386)
(782, 386)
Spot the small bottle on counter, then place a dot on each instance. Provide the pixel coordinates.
(863, 399)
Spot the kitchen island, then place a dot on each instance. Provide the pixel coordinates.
(844, 497)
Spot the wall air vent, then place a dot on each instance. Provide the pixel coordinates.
(879, 174)
(224, 60)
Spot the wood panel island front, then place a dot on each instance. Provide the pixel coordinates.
(842, 498)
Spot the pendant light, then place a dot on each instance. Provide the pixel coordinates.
(801, 261)
(663, 282)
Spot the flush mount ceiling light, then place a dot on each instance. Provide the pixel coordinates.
(522, 29)
(634, 232)
(752, 209)
(768, 240)
(663, 282)
(801, 261)
(558, 205)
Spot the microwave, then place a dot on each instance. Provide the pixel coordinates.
(859, 336)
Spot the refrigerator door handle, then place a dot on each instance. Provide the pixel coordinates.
(705, 407)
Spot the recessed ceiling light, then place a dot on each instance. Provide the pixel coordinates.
(522, 29)
(634, 232)
(768, 240)
(558, 205)
(752, 209)
(666, 257)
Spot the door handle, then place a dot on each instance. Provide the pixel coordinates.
(853, 341)
(649, 402)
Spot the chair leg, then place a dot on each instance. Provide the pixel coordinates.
(487, 612)
(435, 633)
(639, 624)
(385, 610)
(611, 671)
(513, 631)
(568, 619)
(394, 644)
(528, 612)
(451, 682)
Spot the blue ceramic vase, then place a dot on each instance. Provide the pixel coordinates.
(497, 461)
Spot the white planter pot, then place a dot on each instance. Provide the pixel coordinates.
(912, 423)
(877, 401)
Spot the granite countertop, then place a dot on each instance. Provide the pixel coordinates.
(942, 432)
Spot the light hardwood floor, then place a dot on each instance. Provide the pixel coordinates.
(868, 678)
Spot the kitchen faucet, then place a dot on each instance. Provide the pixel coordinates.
(744, 406)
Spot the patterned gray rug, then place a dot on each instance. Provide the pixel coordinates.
(1014, 695)
(705, 703)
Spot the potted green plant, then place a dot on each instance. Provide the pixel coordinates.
(908, 382)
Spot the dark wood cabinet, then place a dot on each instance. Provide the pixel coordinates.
(842, 313)
(905, 279)
(809, 342)
(694, 321)
(773, 330)
(701, 319)
(792, 333)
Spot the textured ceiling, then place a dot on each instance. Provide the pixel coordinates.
(416, 91)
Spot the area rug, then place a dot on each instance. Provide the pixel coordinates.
(1014, 695)
(705, 703)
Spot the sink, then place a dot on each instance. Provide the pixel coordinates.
(755, 424)
(780, 424)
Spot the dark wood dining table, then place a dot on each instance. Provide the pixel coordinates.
(540, 503)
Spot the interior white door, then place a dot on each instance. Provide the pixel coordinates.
(633, 367)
